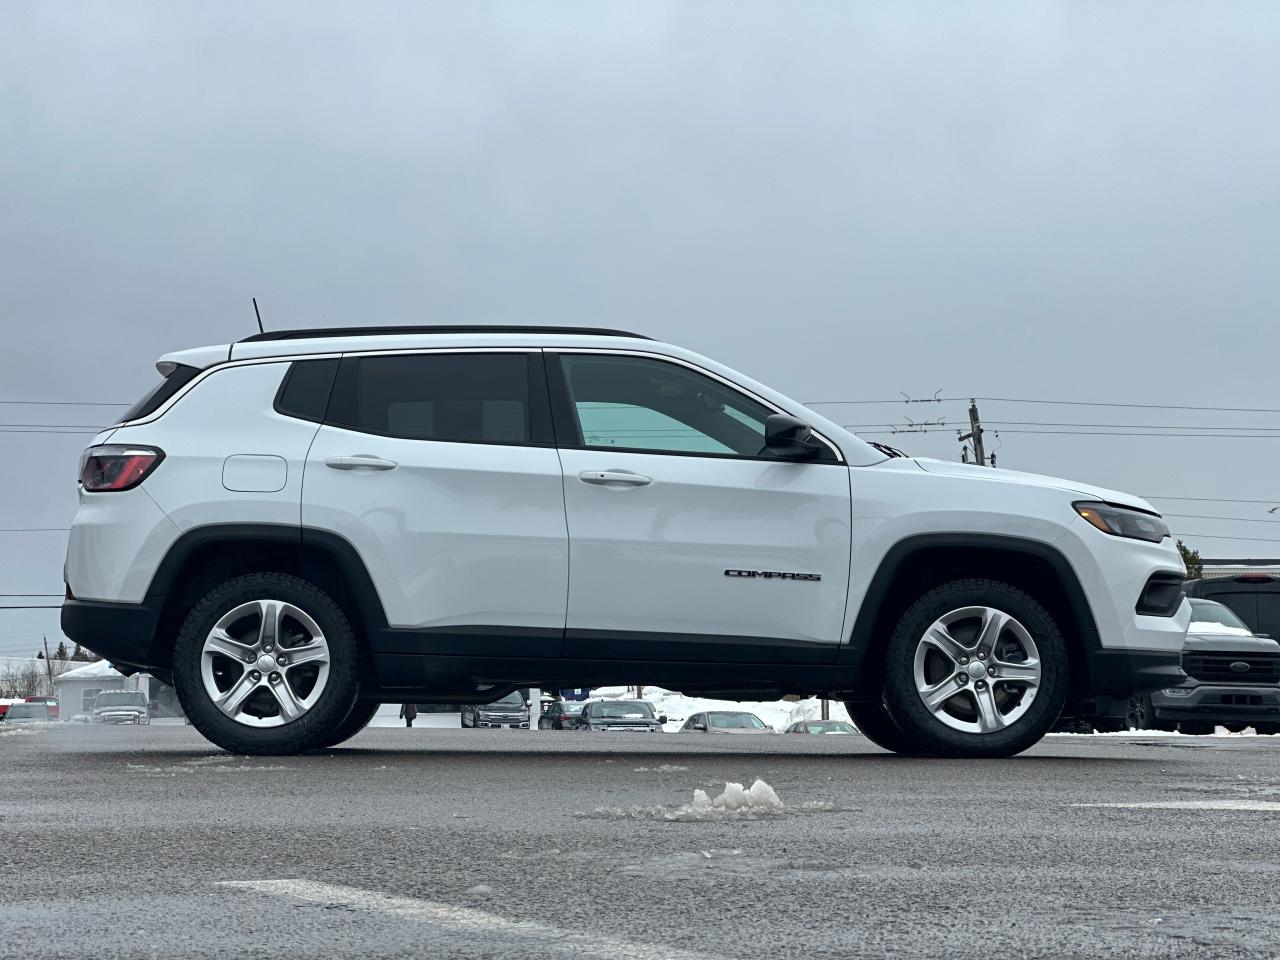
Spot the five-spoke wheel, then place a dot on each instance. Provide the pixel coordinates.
(267, 663)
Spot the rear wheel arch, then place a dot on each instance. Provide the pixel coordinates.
(207, 556)
(914, 566)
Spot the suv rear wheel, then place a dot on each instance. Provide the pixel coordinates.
(266, 664)
(975, 668)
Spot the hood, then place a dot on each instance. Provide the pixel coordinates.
(997, 475)
(1228, 643)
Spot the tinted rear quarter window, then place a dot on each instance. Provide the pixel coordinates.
(463, 397)
(304, 392)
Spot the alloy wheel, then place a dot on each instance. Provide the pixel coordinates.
(265, 663)
(977, 669)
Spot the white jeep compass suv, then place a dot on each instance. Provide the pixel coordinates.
(295, 527)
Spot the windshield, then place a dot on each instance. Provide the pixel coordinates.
(830, 726)
(735, 721)
(120, 698)
(1208, 613)
(28, 711)
(624, 710)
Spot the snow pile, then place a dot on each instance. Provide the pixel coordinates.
(735, 802)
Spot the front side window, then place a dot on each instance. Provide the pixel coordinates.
(638, 403)
(466, 397)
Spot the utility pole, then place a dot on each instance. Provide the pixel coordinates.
(48, 665)
(975, 435)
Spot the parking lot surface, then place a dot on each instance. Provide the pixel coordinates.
(147, 842)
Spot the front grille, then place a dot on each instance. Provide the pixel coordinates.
(1225, 667)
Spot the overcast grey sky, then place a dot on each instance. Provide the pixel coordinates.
(1068, 201)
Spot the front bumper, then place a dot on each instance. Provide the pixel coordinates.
(122, 633)
(1220, 703)
(1120, 673)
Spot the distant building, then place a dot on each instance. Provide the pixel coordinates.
(1262, 567)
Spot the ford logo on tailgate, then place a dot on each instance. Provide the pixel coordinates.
(1239, 666)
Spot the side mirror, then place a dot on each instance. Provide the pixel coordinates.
(790, 437)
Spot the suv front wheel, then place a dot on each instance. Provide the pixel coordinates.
(975, 668)
(266, 664)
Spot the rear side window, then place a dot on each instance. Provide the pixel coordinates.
(304, 393)
(176, 379)
(460, 397)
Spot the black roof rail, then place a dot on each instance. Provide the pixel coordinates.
(311, 333)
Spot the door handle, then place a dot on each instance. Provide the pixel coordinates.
(359, 462)
(624, 477)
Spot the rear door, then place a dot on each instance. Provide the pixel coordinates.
(440, 469)
(688, 540)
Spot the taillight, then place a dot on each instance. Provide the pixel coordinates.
(117, 467)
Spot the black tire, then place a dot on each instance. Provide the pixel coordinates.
(930, 735)
(315, 727)
(1266, 729)
(1196, 728)
(874, 722)
(356, 721)
(1109, 724)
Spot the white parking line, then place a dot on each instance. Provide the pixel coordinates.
(464, 919)
(1270, 805)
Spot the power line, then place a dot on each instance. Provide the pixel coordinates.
(1223, 536)
(1200, 516)
(62, 403)
(1061, 403)
(1211, 499)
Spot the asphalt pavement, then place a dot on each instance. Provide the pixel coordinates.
(148, 842)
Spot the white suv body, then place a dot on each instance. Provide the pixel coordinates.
(489, 508)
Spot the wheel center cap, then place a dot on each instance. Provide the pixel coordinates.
(976, 669)
(266, 663)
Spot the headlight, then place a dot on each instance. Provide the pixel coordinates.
(1178, 691)
(1123, 522)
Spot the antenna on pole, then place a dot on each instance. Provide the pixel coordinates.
(257, 314)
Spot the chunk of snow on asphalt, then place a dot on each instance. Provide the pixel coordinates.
(735, 802)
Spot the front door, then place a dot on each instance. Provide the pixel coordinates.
(688, 540)
(441, 471)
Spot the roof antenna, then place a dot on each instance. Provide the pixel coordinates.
(257, 314)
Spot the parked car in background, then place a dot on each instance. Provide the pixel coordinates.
(120, 706)
(1253, 597)
(821, 726)
(560, 715)
(725, 721)
(24, 712)
(510, 711)
(50, 702)
(620, 716)
(1233, 679)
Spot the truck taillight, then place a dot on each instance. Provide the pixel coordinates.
(114, 467)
